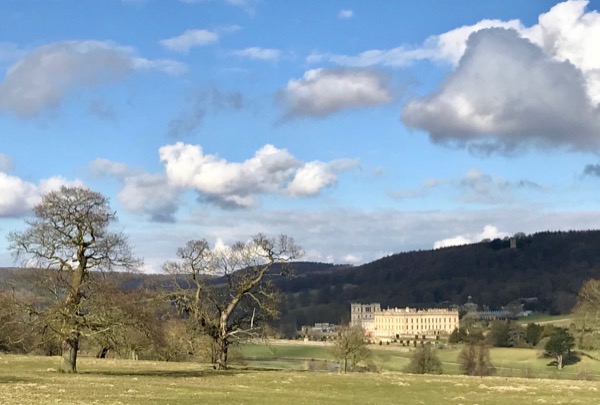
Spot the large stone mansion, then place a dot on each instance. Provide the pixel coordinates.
(397, 323)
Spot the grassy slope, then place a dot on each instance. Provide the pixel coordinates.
(31, 380)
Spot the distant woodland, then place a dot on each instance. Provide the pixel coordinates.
(544, 271)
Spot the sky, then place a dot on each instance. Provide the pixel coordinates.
(361, 129)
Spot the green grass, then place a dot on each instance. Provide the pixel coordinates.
(558, 320)
(32, 380)
(510, 362)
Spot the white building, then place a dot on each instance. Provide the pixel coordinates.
(398, 323)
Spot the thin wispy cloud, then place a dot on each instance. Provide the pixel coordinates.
(190, 39)
(345, 14)
(266, 54)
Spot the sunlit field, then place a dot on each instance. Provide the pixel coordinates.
(509, 362)
(33, 380)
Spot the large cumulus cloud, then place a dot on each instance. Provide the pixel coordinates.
(237, 184)
(217, 181)
(506, 92)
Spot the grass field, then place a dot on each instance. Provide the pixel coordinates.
(33, 380)
(509, 362)
(558, 320)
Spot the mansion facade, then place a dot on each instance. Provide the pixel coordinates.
(397, 323)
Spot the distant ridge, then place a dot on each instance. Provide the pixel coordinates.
(545, 270)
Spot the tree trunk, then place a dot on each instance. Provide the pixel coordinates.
(103, 352)
(222, 360)
(559, 361)
(223, 339)
(70, 346)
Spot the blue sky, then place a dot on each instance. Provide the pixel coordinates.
(359, 128)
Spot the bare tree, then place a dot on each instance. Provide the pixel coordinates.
(424, 360)
(225, 291)
(69, 237)
(474, 359)
(586, 315)
(350, 347)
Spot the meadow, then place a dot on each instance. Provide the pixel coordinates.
(509, 362)
(284, 377)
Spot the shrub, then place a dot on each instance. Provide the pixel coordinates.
(474, 359)
(424, 361)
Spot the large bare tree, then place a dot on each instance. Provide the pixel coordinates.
(69, 237)
(225, 291)
(586, 315)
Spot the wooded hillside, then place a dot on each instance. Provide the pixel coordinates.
(548, 268)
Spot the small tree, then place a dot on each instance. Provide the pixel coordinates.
(559, 345)
(225, 292)
(474, 359)
(69, 237)
(499, 334)
(533, 333)
(350, 347)
(424, 361)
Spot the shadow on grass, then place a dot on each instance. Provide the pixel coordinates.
(568, 360)
(6, 379)
(162, 373)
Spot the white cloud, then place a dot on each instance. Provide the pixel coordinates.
(140, 192)
(513, 86)
(190, 39)
(231, 184)
(530, 86)
(568, 33)
(489, 232)
(345, 14)
(217, 181)
(151, 194)
(168, 66)
(455, 241)
(321, 92)
(311, 178)
(352, 259)
(44, 76)
(266, 54)
(17, 197)
(450, 46)
(447, 47)
(507, 93)
(565, 33)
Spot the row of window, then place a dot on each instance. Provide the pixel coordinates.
(413, 328)
(417, 320)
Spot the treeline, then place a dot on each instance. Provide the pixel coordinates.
(544, 270)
